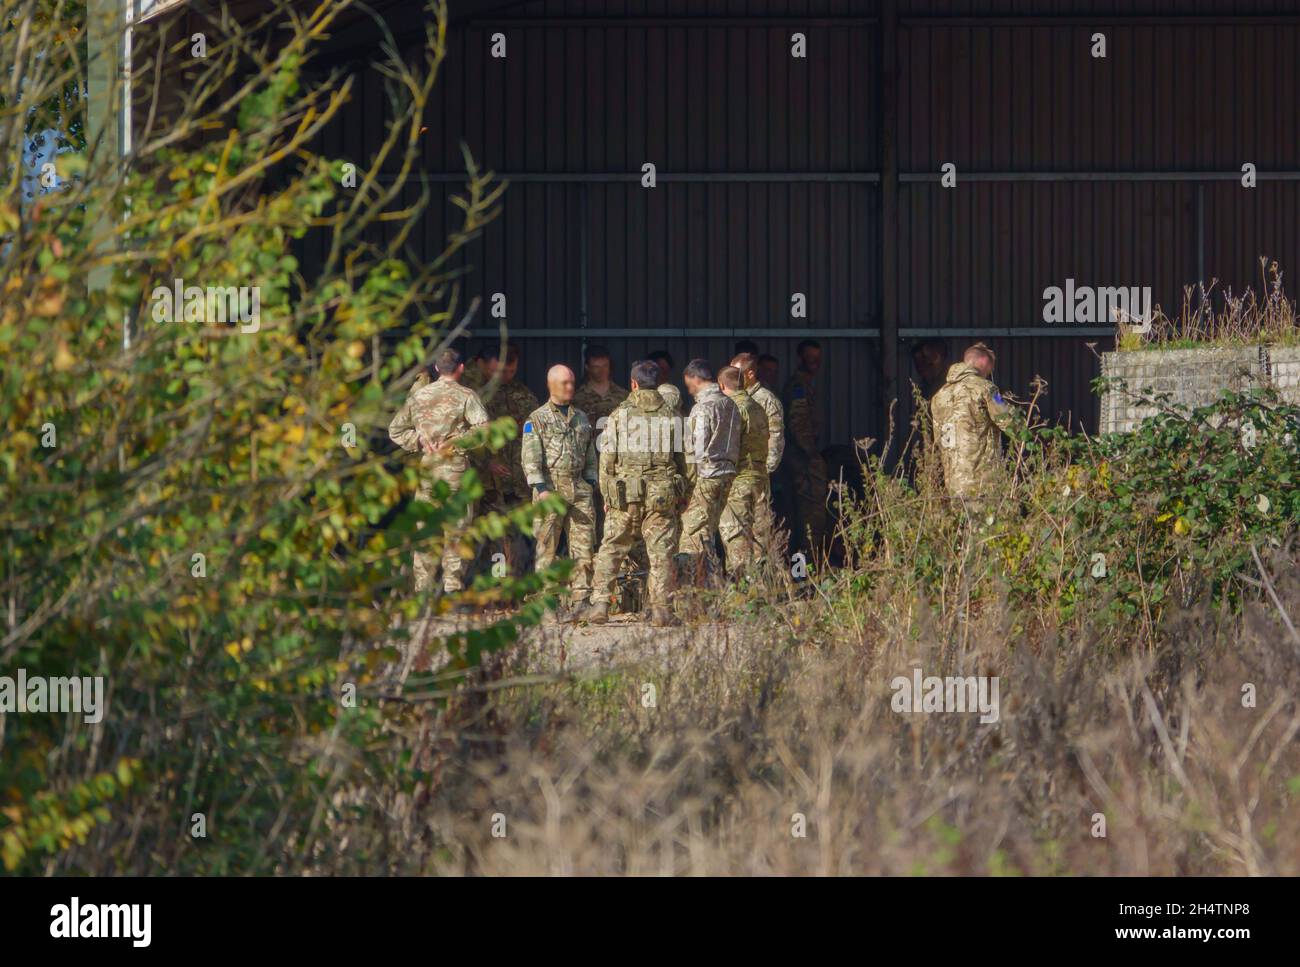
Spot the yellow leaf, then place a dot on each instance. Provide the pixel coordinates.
(63, 360)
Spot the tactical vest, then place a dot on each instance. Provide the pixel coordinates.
(646, 437)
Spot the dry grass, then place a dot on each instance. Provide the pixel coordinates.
(1214, 317)
(797, 720)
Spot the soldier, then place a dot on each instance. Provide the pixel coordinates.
(807, 469)
(930, 360)
(599, 395)
(747, 363)
(480, 370)
(559, 456)
(739, 523)
(641, 482)
(666, 389)
(439, 419)
(515, 400)
(968, 411)
(713, 438)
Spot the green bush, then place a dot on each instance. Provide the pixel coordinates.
(212, 517)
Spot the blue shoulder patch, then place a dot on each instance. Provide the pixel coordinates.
(997, 397)
(797, 392)
(528, 427)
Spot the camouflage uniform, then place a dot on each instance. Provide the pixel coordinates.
(598, 407)
(713, 433)
(739, 522)
(559, 455)
(444, 412)
(775, 415)
(968, 411)
(641, 479)
(473, 377)
(673, 395)
(803, 459)
(515, 400)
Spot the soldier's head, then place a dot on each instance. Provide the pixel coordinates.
(745, 346)
(511, 365)
(449, 363)
(981, 358)
(809, 352)
(489, 360)
(598, 365)
(664, 361)
(697, 373)
(769, 370)
(930, 359)
(560, 382)
(747, 365)
(645, 374)
(729, 380)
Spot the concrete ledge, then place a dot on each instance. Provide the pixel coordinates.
(1192, 377)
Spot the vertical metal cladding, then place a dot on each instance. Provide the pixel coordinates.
(784, 154)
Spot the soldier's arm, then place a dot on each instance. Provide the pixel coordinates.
(533, 456)
(590, 468)
(402, 429)
(775, 437)
(608, 455)
(799, 423)
(1000, 412)
(760, 415)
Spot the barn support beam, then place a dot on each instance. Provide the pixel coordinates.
(891, 376)
(847, 177)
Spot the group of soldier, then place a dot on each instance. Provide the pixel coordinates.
(636, 475)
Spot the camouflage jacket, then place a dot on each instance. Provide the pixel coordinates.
(444, 412)
(802, 414)
(968, 412)
(515, 400)
(713, 433)
(598, 407)
(673, 395)
(775, 414)
(638, 442)
(557, 447)
(753, 434)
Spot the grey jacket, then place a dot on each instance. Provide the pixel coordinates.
(713, 432)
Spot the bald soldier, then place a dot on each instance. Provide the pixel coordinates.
(968, 414)
(559, 457)
(438, 420)
(739, 523)
(803, 456)
(641, 482)
(713, 441)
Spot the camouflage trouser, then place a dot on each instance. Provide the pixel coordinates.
(577, 524)
(809, 478)
(708, 497)
(453, 565)
(654, 521)
(743, 525)
(514, 545)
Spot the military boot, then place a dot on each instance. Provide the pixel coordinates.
(661, 616)
(597, 612)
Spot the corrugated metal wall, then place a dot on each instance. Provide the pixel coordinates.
(781, 159)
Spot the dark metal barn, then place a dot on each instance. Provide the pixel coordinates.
(820, 174)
